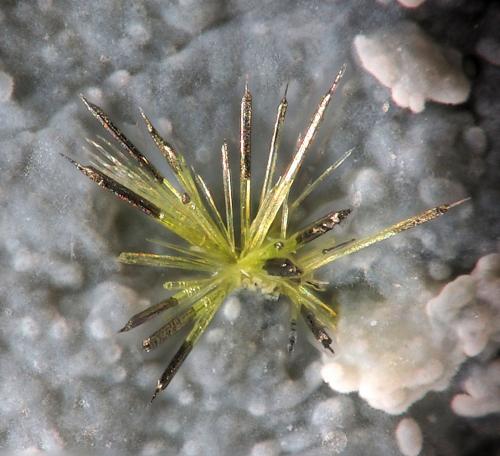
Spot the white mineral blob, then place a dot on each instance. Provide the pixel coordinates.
(368, 187)
(119, 79)
(6, 86)
(406, 3)
(231, 308)
(266, 448)
(482, 392)
(476, 140)
(413, 66)
(469, 307)
(409, 437)
(417, 347)
(411, 3)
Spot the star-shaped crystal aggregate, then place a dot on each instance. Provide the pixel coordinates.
(266, 256)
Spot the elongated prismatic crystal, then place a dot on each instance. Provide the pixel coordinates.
(264, 254)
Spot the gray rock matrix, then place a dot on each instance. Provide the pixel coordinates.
(416, 369)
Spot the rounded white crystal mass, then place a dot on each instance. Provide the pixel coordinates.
(409, 437)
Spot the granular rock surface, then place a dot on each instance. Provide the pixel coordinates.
(418, 336)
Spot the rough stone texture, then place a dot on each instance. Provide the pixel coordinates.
(69, 382)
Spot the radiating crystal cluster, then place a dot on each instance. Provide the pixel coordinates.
(265, 255)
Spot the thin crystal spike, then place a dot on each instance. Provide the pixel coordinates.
(317, 285)
(273, 150)
(175, 192)
(172, 246)
(198, 253)
(174, 217)
(174, 325)
(165, 261)
(297, 160)
(190, 289)
(198, 329)
(228, 193)
(117, 167)
(211, 203)
(274, 200)
(149, 313)
(118, 161)
(177, 212)
(314, 261)
(202, 299)
(320, 226)
(316, 328)
(311, 186)
(337, 246)
(284, 218)
(176, 162)
(206, 221)
(292, 335)
(245, 163)
(173, 367)
(103, 118)
(334, 254)
(163, 146)
(311, 299)
(185, 284)
(118, 189)
(301, 295)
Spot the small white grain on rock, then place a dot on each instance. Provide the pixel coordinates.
(411, 3)
(232, 308)
(6, 86)
(409, 437)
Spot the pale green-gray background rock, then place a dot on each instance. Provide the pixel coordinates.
(70, 382)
